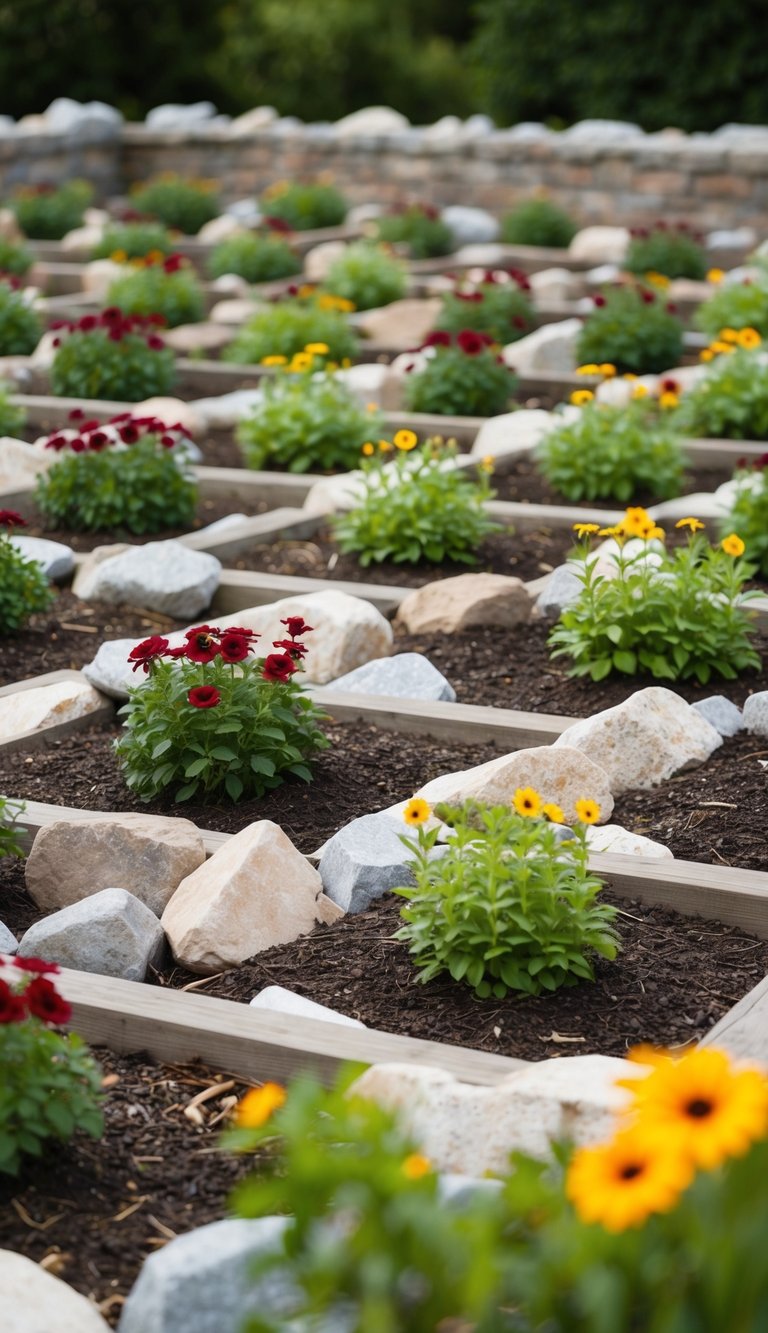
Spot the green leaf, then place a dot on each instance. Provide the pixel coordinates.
(261, 764)
(224, 753)
(625, 661)
(234, 786)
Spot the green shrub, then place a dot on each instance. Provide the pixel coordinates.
(498, 305)
(609, 453)
(538, 222)
(748, 512)
(464, 377)
(10, 813)
(129, 473)
(736, 305)
(420, 227)
(20, 325)
(674, 250)
(729, 402)
(287, 326)
(307, 422)
(134, 240)
(366, 276)
(169, 289)
(416, 507)
(46, 212)
(113, 356)
(631, 329)
(179, 203)
(197, 727)
(14, 259)
(11, 418)
(304, 207)
(24, 589)
(255, 256)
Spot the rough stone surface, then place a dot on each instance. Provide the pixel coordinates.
(451, 605)
(644, 740)
(206, 336)
(563, 588)
(318, 260)
(276, 999)
(621, 842)
(8, 942)
(512, 433)
(364, 860)
(470, 226)
(110, 933)
(172, 116)
(220, 229)
(57, 560)
(405, 676)
(756, 713)
(21, 463)
(34, 1301)
(331, 494)
(723, 715)
(148, 855)
(555, 285)
(559, 774)
(171, 411)
(255, 119)
(46, 706)
(255, 891)
(552, 347)
(600, 245)
(371, 120)
(161, 576)
(98, 277)
(402, 324)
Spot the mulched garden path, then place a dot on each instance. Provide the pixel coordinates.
(93, 1210)
(208, 511)
(523, 481)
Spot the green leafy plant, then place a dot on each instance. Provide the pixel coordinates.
(178, 202)
(133, 240)
(675, 615)
(748, 512)
(129, 473)
(51, 1085)
(611, 452)
(111, 355)
(674, 250)
(417, 226)
(509, 905)
(538, 221)
(730, 401)
(255, 256)
(416, 507)
(462, 377)
(736, 305)
(20, 326)
(307, 421)
(168, 288)
(11, 418)
(24, 589)
(304, 207)
(499, 305)
(213, 720)
(367, 276)
(48, 212)
(633, 330)
(14, 258)
(287, 326)
(10, 813)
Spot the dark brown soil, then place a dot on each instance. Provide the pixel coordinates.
(208, 511)
(523, 481)
(93, 1211)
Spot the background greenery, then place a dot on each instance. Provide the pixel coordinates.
(696, 67)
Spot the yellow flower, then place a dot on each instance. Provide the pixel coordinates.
(258, 1105)
(640, 391)
(715, 275)
(719, 347)
(527, 802)
(345, 363)
(621, 1183)
(301, 361)
(629, 375)
(553, 813)
(385, 446)
(585, 529)
(694, 524)
(590, 369)
(580, 397)
(658, 533)
(371, 407)
(728, 336)
(668, 400)
(306, 290)
(405, 440)
(119, 257)
(657, 279)
(274, 360)
(415, 1166)
(702, 1105)
(749, 338)
(317, 349)
(707, 354)
(636, 519)
(588, 811)
(368, 449)
(733, 545)
(618, 532)
(607, 369)
(417, 811)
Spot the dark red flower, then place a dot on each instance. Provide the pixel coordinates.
(234, 647)
(296, 626)
(670, 386)
(12, 1006)
(168, 441)
(202, 644)
(112, 314)
(204, 696)
(249, 634)
(438, 338)
(10, 519)
(278, 667)
(97, 440)
(37, 965)
(173, 263)
(599, 301)
(78, 445)
(57, 442)
(154, 343)
(43, 1000)
(648, 298)
(77, 414)
(147, 651)
(294, 650)
(472, 343)
(129, 434)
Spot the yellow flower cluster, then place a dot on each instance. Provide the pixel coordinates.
(303, 361)
(527, 802)
(637, 522)
(687, 1113)
(731, 340)
(404, 440)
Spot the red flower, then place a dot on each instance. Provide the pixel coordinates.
(294, 650)
(296, 626)
(204, 696)
(249, 634)
(670, 386)
(43, 1000)
(234, 647)
(129, 434)
(154, 343)
(438, 338)
(77, 414)
(599, 301)
(37, 965)
(648, 298)
(98, 440)
(168, 441)
(147, 651)
(10, 519)
(472, 343)
(202, 644)
(12, 1006)
(278, 667)
(78, 445)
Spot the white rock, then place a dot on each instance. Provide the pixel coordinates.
(318, 260)
(8, 942)
(171, 411)
(621, 842)
(161, 576)
(559, 775)
(470, 226)
(21, 463)
(731, 238)
(371, 120)
(365, 380)
(172, 116)
(603, 132)
(82, 240)
(252, 121)
(360, 213)
(44, 354)
(110, 933)
(404, 676)
(246, 211)
(552, 347)
(555, 284)
(34, 1301)
(562, 588)
(231, 284)
(220, 229)
(604, 273)
(86, 119)
(756, 713)
(57, 560)
(46, 706)
(335, 494)
(99, 275)
(600, 245)
(255, 891)
(723, 715)
(233, 312)
(277, 999)
(205, 337)
(513, 433)
(703, 504)
(491, 254)
(645, 740)
(447, 127)
(402, 324)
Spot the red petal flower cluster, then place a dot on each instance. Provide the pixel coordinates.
(116, 325)
(10, 519)
(38, 998)
(204, 643)
(125, 428)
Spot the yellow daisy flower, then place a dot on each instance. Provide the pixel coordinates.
(585, 529)
(417, 811)
(580, 397)
(728, 336)
(301, 361)
(371, 407)
(368, 449)
(415, 1166)
(405, 440)
(639, 391)
(553, 813)
(715, 275)
(590, 369)
(694, 524)
(587, 811)
(733, 545)
(706, 354)
(668, 400)
(317, 349)
(749, 338)
(607, 370)
(256, 1107)
(719, 347)
(385, 446)
(527, 802)
(620, 1184)
(635, 520)
(274, 360)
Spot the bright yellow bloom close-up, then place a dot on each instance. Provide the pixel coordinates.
(587, 811)
(585, 529)
(693, 524)
(317, 349)
(405, 440)
(748, 338)
(733, 545)
(668, 400)
(589, 369)
(728, 335)
(417, 811)
(527, 802)
(553, 813)
(639, 391)
(715, 275)
(258, 1105)
(636, 521)
(275, 360)
(368, 449)
(580, 397)
(385, 447)
(620, 1184)
(607, 369)
(415, 1166)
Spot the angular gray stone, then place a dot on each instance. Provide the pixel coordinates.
(470, 226)
(563, 587)
(756, 713)
(364, 860)
(724, 716)
(110, 933)
(404, 676)
(172, 116)
(8, 941)
(160, 576)
(109, 671)
(57, 560)
(90, 119)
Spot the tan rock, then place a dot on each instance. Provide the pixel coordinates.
(47, 706)
(450, 605)
(35, 1301)
(220, 229)
(82, 240)
(319, 259)
(233, 312)
(558, 774)
(149, 855)
(99, 275)
(21, 463)
(402, 324)
(600, 245)
(204, 337)
(255, 891)
(9, 227)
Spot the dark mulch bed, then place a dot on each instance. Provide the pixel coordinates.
(93, 1211)
(208, 511)
(523, 481)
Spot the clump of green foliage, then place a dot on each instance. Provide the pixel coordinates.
(168, 288)
(676, 251)
(20, 325)
(499, 304)
(47, 212)
(463, 377)
(306, 206)
(367, 276)
(134, 240)
(287, 326)
(538, 221)
(417, 226)
(609, 453)
(255, 256)
(178, 202)
(307, 421)
(632, 329)
(112, 355)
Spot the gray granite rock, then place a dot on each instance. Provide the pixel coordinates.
(57, 560)
(364, 860)
(756, 713)
(110, 933)
(404, 676)
(161, 576)
(563, 587)
(110, 671)
(470, 226)
(171, 116)
(8, 941)
(723, 715)
(88, 119)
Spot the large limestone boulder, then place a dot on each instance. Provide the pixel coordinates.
(110, 933)
(560, 774)
(318, 260)
(451, 605)
(205, 337)
(513, 433)
(99, 275)
(371, 120)
(21, 463)
(552, 347)
(600, 245)
(402, 324)
(34, 1301)
(161, 576)
(47, 706)
(149, 855)
(255, 891)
